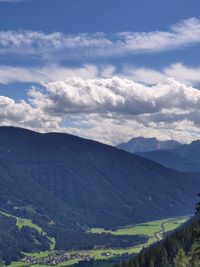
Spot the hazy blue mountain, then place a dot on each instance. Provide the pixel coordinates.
(66, 183)
(171, 160)
(189, 151)
(141, 144)
(183, 158)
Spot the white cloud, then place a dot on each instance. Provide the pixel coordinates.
(48, 73)
(116, 95)
(180, 72)
(189, 75)
(24, 115)
(113, 131)
(55, 44)
(109, 110)
(145, 75)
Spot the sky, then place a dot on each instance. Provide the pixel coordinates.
(107, 70)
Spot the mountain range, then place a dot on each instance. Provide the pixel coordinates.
(182, 157)
(141, 144)
(66, 184)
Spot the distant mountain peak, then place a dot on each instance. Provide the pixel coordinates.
(142, 144)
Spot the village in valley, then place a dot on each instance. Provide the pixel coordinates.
(58, 257)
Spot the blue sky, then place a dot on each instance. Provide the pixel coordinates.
(107, 70)
(75, 16)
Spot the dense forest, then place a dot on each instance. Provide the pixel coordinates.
(21, 196)
(180, 249)
(14, 240)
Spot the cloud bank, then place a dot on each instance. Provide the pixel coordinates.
(55, 44)
(109, 110)
(185, 74)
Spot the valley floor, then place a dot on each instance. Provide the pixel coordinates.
(154, 230)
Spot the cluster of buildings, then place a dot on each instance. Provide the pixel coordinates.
(56, 258)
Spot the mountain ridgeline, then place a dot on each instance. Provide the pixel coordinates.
(141, 144)
(66, 184)
(182, 157)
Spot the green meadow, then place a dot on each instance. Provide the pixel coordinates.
(21, 222)
(153, 229)
(149, 228)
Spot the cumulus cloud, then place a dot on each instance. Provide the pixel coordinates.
(108, 109)
(115, 95)
(183, 34)
(24, 115)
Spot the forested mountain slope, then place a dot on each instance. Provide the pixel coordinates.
(170, 159)
(66, 184)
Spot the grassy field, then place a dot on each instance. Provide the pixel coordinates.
(154, 230)
(23, 222)
(148, 228)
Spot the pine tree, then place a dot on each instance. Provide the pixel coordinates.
(194, 254)
(164, 260)
(181, 259)
(152, 263)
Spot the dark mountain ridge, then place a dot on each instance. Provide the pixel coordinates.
(65, 184)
